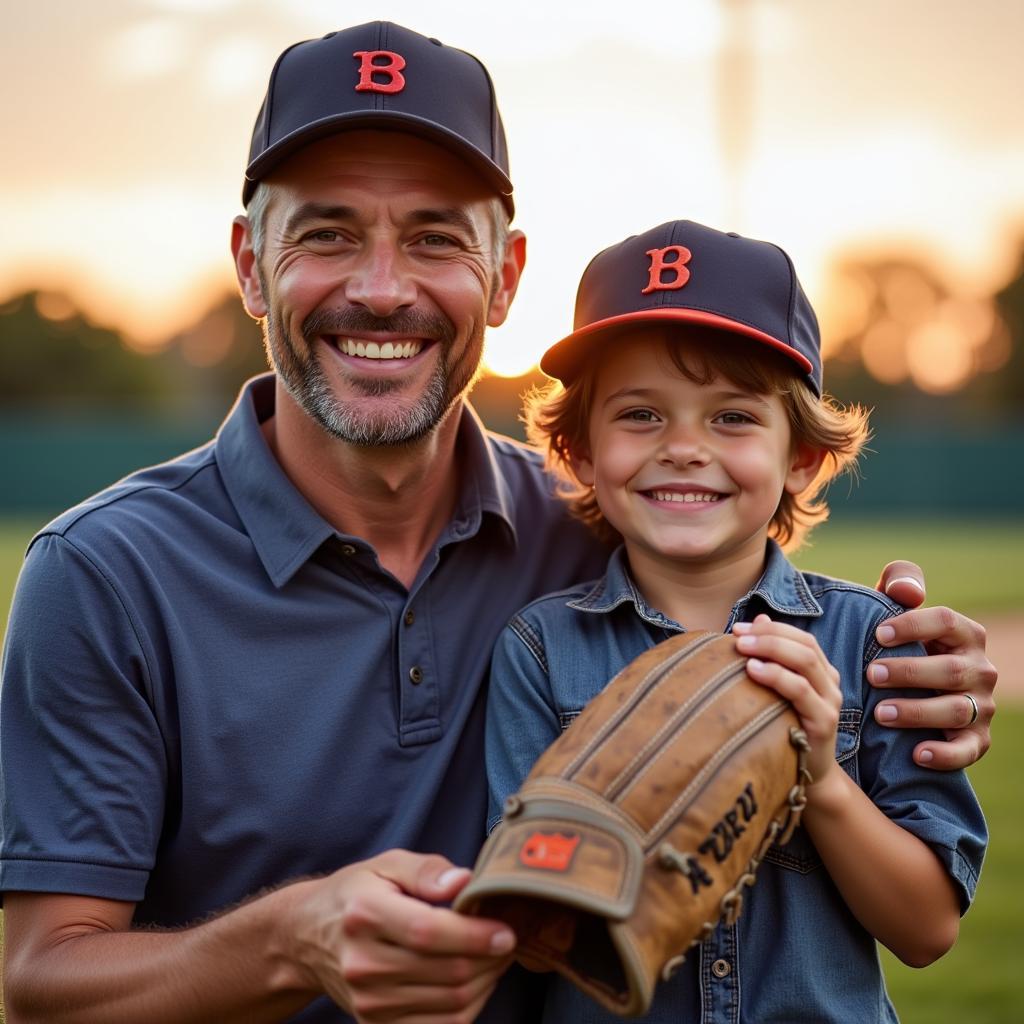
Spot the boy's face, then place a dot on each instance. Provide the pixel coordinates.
(684, 471)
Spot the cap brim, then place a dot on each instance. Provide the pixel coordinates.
(390, 120)
(564, 360)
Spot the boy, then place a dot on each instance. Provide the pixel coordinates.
(690, 423)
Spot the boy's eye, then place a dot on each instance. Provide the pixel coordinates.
(639, 416)
(734, 417)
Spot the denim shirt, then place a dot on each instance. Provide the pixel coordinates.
(796, 953)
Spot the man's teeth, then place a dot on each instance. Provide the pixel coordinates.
(688, 497)
(371, 350)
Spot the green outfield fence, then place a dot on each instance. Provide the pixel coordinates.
(50, 463)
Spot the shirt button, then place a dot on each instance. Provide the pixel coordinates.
(410, 617)
(416, 674)
(347, 549)
(721, 969)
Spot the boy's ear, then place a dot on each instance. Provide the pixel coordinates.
(804, 464)
(583, 469)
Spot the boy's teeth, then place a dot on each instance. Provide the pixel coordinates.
(371, 350)
(689, 497)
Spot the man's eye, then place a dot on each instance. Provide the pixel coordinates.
(326, 235)
(436, 240)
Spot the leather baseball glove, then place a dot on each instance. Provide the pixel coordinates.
(638, 829)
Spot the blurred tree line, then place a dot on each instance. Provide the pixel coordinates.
(903, 341)
(57, 361)
(898, 339)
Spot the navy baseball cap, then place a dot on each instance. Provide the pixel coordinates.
(686, 273)
(382, 76)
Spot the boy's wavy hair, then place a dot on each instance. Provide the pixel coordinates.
(557, 420)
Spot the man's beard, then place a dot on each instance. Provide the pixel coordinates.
(305, 380)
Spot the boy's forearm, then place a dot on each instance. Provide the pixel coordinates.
(229, 969)
(892, 881)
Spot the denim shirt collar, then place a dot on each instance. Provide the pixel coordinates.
(286, 530)
(781, 588)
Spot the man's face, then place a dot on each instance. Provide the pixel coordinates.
(376, 280)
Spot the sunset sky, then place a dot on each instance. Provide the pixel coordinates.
(829, 127)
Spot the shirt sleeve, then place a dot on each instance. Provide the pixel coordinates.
(939, 807)
(83, 768)
(521, 718)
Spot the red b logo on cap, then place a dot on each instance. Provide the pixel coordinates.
(659, 265)
(367, 69)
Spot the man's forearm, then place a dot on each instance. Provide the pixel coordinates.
(232, 968)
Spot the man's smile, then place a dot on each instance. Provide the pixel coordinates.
(376, 350)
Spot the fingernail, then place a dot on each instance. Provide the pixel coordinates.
(741, 627)
(755, 663)
(904, 579)
(503, 942)
(885, 634)
(450, 876)
(886, 713)
(925, 757)
(878, 673)
(746, 643)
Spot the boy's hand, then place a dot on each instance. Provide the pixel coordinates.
(956, 666)
(790, 662)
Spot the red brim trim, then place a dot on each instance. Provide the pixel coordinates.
(562, 359)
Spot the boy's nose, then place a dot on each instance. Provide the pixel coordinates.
(683, 445)
(379, 283)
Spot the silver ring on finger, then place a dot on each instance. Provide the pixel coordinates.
(974, 709)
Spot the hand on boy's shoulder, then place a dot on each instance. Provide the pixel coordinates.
(956, 666)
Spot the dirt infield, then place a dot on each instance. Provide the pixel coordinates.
(1005, 648)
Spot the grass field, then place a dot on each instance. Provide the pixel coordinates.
(977, 568)
(980, 981)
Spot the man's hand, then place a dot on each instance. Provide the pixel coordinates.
(956, 664)
(369, 937)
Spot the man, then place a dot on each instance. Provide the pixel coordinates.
(247, 682)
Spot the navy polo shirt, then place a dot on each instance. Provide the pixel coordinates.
(207, 690)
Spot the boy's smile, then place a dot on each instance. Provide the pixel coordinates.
(686, 472)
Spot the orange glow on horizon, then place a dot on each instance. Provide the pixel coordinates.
(124, 187)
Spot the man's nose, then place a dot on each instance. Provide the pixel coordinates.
(380, 283)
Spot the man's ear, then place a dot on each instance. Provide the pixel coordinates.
(507, 278)
(804, 464)
(246, 269)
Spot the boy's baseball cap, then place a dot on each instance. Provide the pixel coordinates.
(686, 273)
(380, 75)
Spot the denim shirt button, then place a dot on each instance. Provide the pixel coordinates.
(721, 968)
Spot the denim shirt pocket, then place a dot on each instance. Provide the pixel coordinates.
(799, 853)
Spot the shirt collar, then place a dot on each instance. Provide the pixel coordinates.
(484, 486)
(781, 587)
(285, 529)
